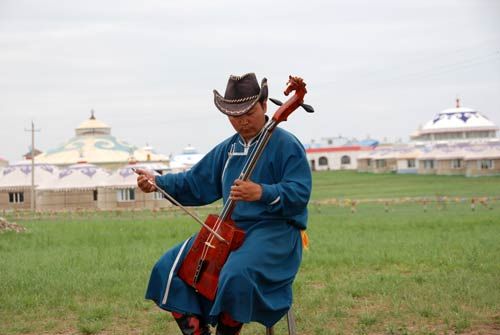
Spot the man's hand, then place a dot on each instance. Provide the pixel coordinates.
(245, 190)
(143, 180)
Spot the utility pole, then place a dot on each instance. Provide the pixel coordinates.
(32, 202)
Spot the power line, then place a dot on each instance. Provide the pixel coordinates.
(454, 67)
(440, 65)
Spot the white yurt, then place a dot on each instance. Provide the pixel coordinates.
(185, 160)
(15, 183)
(75, 187)
(459, 124)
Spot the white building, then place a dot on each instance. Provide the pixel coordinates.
(337, 153)
(75, 187)
(335, 158)
(15, 183)
(459, 141)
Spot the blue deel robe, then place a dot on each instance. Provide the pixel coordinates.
(255, 284)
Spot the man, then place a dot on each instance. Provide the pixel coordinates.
(255, 284)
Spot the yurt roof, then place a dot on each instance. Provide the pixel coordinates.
(443, 153)
(485, 151)
(440, 152)
(81, 176)
(390, 153)
(94, 144)
(18, 175)
(411, 153)
(457, 119)
(92, 126)
(465, 151)
(187, 158)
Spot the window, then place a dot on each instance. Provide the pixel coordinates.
(127, 194)
(16, 197)
(345, 160)
(410, 163)
(158, 196)
(456, 163)
(448, 136)
(428, 164)
(322, 161)
(478, 134)
(95, 195)
(368, 162)
(486, 164)
(380, 163)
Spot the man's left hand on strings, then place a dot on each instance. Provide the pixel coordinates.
(245, 190)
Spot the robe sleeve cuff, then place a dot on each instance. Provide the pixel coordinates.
(270, 194)
(161, 182)
(157, 181)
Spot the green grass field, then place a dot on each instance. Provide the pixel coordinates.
(378, 270)
(348, 184)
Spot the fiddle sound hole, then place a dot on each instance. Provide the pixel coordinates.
(202, 265)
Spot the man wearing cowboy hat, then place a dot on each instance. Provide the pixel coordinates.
(255, 283)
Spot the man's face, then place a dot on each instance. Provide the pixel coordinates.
(249, 125)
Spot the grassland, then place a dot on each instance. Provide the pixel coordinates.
(348, 184)
(401, 269)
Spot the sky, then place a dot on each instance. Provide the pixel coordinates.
(147, 68)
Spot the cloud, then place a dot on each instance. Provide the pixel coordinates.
(148, 68)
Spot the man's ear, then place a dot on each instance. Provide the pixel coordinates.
(264, 105)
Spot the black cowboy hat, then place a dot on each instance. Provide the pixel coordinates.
(242, 93)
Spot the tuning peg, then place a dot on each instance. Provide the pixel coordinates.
(276, 101)
(307, 107)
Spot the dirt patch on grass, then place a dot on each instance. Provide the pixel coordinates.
(8, 226)
(489, 329)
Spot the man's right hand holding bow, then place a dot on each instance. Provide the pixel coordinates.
(145, 180)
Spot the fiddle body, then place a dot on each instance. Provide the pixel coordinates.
(195, 269)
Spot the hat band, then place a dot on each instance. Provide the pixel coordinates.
(237, 101)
